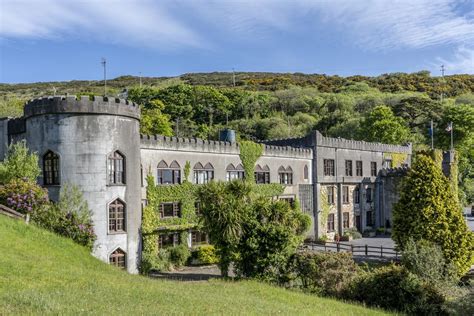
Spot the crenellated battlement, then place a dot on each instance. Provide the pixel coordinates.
(202, 145)
(81, 105)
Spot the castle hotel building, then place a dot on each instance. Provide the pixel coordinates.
(96, 145)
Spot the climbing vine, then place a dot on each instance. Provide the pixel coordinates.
(249, 154)
(397, 158)
(187, 170)
(325, 208)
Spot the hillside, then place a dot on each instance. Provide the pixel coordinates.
(41, 273)
(422, 81)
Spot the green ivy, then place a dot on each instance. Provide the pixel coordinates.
(249, 154)
(325, 208)
(187, 170)
(397, 158)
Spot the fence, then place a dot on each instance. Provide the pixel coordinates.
(355, 250)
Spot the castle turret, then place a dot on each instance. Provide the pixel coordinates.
(93, 143)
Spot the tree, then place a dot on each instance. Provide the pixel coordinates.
(417, 110)
(19, 163)
(224, 208)
(429, 209)
(154, 122)
(380, 125)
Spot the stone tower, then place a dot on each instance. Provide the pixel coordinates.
(86, 134)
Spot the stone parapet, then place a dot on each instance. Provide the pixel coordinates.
(81, 105)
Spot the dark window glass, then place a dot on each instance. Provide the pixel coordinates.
(349, 168)
(235, 174)
(330, 224)
(116, 168)
(116, 216)
(330, 191)
(198, 238)
(370, 218)
(262, 177)
(368, 194)
(51, 168)
(117, 258)
(169, 176)
(286, 177)
(359, 170)
(345, 220)
(329, 167)
(203, 176)
(168, 240)
(373, 168)
(170, 209)
(356, 196)
(345, 194)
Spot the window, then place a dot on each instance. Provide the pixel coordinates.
(116, 168)
(330, 191)
(370, 218)
(349, 168)
(330, 224)
(51, 168)
(198, 238)
(168, 240)
(197, 207)
(356, 196)
(141, 175)
(117, 258)
(170, 209)
(345, 194)
(116, 216)
(345, 220)
(169, 175)
(306, 172)
(373, 168)
(202, 174)
(359, 170)
(387, 163)
(262, 175)
(234, 173)
(289, 200)
(285, 175)
(329, 167)
(368, 194)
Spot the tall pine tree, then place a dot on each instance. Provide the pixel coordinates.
(429, 209)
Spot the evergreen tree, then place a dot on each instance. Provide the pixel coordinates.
(429, 209)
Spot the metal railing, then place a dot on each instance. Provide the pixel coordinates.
(357, 250)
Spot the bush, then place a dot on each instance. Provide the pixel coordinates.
(395, 288)
(70, 217)
(160, 262)
(427, 261)
(353, 232)
(19, 164)
(179, 255)
(322, 273)
(206, 254)
(23, 195)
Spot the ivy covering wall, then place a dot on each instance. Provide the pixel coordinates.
(249, 154)
(397, 158)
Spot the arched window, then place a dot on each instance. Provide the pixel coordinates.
(285, 175)
(169, 174)
(306, 172)
(51, 168)
(118, 258)
(116, 168)
(117, 217)
(262, 175)
(234, 173)
(203, 174)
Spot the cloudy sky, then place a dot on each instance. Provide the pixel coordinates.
(48, 40)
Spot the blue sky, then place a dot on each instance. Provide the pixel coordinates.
(52, 40)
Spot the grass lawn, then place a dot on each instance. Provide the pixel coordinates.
(41, 273)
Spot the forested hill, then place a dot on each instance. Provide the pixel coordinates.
(450, 86)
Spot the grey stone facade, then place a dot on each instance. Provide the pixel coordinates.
(83, 133)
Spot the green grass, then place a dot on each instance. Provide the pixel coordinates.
(41, 273)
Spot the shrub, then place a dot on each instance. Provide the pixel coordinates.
(206, 254)
(151, 262)
(323, 273)
(23, 195)
(70, 217)
(395, 288)
(19, 164)
(179, 255)
(427, 261)
(353, 232)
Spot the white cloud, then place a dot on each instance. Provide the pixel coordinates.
(461, 62)
(126, 22)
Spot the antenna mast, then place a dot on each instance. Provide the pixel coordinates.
(104, 64)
